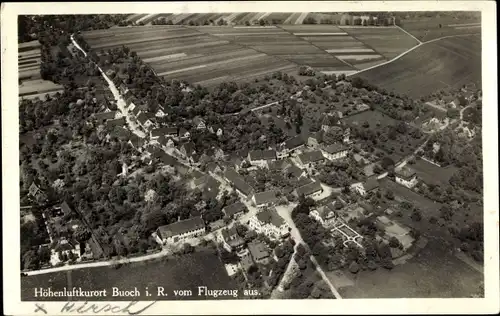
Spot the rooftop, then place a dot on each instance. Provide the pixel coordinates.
(230, 236)
(181, 227)
(270, 216)
(308, 189)
(370, 184)
(164, 131)
(311, 156)
(294, 142)
(234, 208)
(103, 116)
(144, 116)
(262, 154)
(189, 148)
(258, 250)
(237, 180)
(266, 197)
(405, 172)
(335, 148)
(293, 171)
(116, 122)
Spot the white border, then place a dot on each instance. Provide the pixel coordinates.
(10, 158)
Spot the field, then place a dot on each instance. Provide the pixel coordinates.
(429, 29)
(432, 174)
(30, 83)
(181, 273)
(445, 63)
(433, 273)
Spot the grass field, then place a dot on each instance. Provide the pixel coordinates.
(432, 174)
(186, 272)
(432, 273)
(429, 29)
(445, 63)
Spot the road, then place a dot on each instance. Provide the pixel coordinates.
(286, 214)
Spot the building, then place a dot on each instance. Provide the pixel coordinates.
(246, 262)
(116, 122)
(105, 116)
(235, 179)
(266, 198)
(310, 157)
(166, 142)
(269, 223)
(259, 252)
(216, 129)
(315, 140)
(293, 171)
(335, 151)
(160, 113)
(347, 136)
(329, 121)
(188, 150)
(164, 131)
(312, 189)
(165, 158)
(136, 142)
(184, 133)
(199, 123)
(325, 214)
(145, 119)
(35, 192)
(261, 157)
(218, 224)
(180, 230)
(231, 241)
(406, 176)
(291, 146)
(370, 185)
(234, 210)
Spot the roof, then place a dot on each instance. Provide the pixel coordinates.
(231, 237)
(308, 189)
(197, 120)
(183, 131)
(405, 172)
(66, 208)
(318, 136)
(370, 184)
(266, 197)
(294, 171)
(196, 174)
(181, 227)
(103, 116)
(211, 166)
(311, 156)
(330, 120)
(246, 262)
(144, 116)
(258, 250)
(270, 216)
(165, 158)
(335, 148)
(200, 180)
(262, 154)
(237, 180)
(234, 209)
(136, 141)
(116, 122)
(217, 224)
(189, 148)
(294, 142)
(326, 211)
(164, 131)
(63, 245)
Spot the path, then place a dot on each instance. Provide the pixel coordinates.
(283, 212)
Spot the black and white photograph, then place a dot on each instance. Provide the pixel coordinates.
(221, 155)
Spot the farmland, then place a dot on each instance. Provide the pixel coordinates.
(185, 272)
(429, 29)
(31, 85)
(444, 63)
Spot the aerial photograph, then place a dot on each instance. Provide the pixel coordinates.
(250, 155)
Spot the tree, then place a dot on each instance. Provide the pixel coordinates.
(82, 234)
(354, 267)
(394, 242)
(333, 135)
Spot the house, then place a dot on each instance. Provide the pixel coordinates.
(65, 248)
(199, 123)
(406, 176)
(293, 171)
(347, 136)
(329, 121)
(259, 252)
(315, 140)
(216, 152)
(65, 208)
(291, 146)
(261, 157)
(266, 198)
(238, 182)
(37, 193)
(325, 214)
(218, 224)
(231, 241)
(136, 142)
(104, 116)
(188, 150)
(184, 133)
(213, 167)
(234, 210)
(145, 119)
(160, 113)
(166, 142)
(116, 122)
(370, 185)
(164, 131)
(216, 129)
(165, 158)
(180, 230)
(310, 157)
(309, 190)
(335, 151)
(269, 223)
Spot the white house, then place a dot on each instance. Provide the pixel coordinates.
(65, 248)
(180, 230)
(406, 176)
(160, 113)
(312, 189)
(215, 129)
(261, 157)
(266, 198)
(231, 241)
(335, 151)
(326, 214)
(269, 223)
(199, 123)
(184, 133)
(370, 185)
(146, 120)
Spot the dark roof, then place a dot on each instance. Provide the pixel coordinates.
(144, 116)
(311, 156)
(164, 140)
(165, 158)
(211, 189)
(66, 208)
(181, 227)
(266, 197)
(270, 216)
(197, 120)
(294, 171)
(318, 136)
(200, 180)
(195, 174)
(183, 131)
(211, 166)
(405, 172)
(294, 142)
(330, 120)
(326, 211)
(234, 209)
(262, 154)
(116, 122)
(370, 184)
(258, 250)
(308, 189)
(136, 141)
(189, 148)
(237, 180)
(246, 262)
(103, 116)
(278, 164)
(64, 245)
(303, 181)
(335, 148)
(164, 131)
(231, 237)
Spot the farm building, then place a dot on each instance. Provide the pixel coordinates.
(335, 151)
(291, 146)
(266, 198)
(310, 157)
(258, 251)
(116, 122)
(184, 133)
(234, 210)
(269, 223)
(325, 214)
(261, 157)
(309, 190)
(181, 230)
(406, 176)
(370, 185)
(104, 116)
(164, 131)
(238, 182)
(231, 241)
